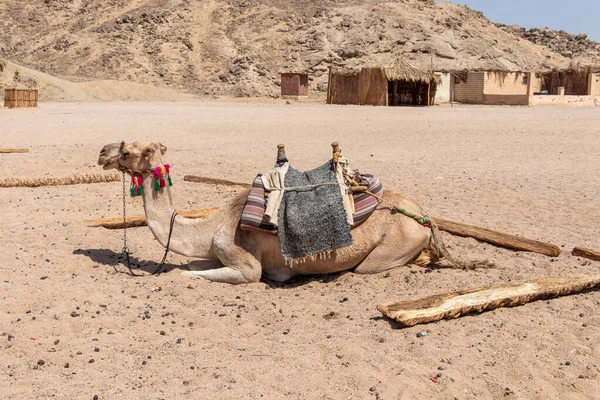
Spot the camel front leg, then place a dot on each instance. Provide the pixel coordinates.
(224, 275)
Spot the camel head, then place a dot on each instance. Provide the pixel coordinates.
(109, 156)
(136, 156)
(141, 155)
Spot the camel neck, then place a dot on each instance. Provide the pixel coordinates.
(190, 237)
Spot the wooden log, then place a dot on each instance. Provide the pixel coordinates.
(213, 181)
(586, 253)
(497, 238)
(70, 180)
(459, 303)
(4, 151)
(140, 220)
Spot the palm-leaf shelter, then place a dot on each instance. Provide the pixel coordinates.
(395, 82)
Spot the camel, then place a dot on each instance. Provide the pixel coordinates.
(383, 242)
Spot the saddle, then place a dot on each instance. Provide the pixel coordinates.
(312, 212)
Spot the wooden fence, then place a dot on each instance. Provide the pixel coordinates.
(20, 98)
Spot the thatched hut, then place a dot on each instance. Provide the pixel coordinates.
(409, 85)
(393, 83)
(575, 80)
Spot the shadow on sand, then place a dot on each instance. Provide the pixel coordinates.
(117, 261)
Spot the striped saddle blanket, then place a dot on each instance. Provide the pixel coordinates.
(253, 214)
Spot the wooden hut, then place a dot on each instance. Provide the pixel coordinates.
(396, 82)
(343, 86)
(20, 98)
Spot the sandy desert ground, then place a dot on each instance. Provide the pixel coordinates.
(67, 301)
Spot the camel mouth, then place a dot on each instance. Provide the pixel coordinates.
(109, 163)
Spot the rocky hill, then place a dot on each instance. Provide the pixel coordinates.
(239, 47)
(564, 43)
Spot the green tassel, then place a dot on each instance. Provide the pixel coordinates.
(131, 192)
(140, 191)
(169, 179)
(157, 185)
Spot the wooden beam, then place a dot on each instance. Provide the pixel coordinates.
(497, 238)
(70, 180)
(586, 253)
(140, 220)
(456, 304)
(3, 151)
(214, 181)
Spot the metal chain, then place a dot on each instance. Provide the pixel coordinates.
(126, 251)
(125, 248)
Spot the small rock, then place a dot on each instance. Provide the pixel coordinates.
(422, 334)
(56, 342)
(373, 388)
(91, 361)
(96, 349)
(163, 333)
(67, 365)
(178, 341)
(41, 362)
(568, 363)
(44, 277)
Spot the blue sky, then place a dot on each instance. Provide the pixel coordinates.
(574, 16)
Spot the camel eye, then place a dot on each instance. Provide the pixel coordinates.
(148, 152)
(124, 153)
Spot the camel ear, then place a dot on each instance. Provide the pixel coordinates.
(163, 148)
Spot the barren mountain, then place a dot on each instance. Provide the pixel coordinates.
(238, 47)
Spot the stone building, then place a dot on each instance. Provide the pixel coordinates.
(294, 85)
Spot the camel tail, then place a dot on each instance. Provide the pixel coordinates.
(440, 252)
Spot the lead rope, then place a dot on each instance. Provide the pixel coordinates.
(127, 252)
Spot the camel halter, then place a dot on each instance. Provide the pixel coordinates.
(160, 174)
(135, 189)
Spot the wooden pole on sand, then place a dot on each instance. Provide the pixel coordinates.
(497, 238)
(456, 304)
(586, 253)
(140, 220)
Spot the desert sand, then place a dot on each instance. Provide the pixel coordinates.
(74, 325)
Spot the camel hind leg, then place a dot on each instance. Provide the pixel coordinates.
(388, 255)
